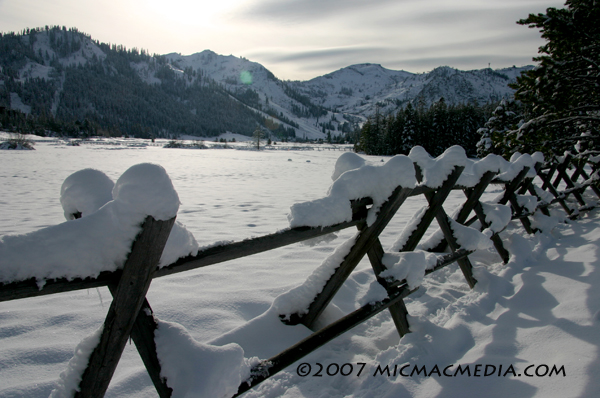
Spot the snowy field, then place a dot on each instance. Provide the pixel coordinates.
(538, 312)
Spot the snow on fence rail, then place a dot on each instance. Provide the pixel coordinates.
(138, 230)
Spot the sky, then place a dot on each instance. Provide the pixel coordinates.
(303, 39)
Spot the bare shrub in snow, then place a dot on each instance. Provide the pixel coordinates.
(17, 141)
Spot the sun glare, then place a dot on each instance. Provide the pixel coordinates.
(189, 12)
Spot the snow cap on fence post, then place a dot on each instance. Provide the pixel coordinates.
(347, 161)
(475, 169)
(538, 157)
(517, 163)
(84, 192)
(146, 188)
(436, 171)
(375, 182)
(101, 241)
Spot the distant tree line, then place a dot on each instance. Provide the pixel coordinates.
(435, 129)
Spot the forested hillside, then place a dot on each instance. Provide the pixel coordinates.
(60, 80)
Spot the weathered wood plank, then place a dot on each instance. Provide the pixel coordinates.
(510, 196)
(579, 167)
(465, 264)
(518, 209)
(363, 243)
(444, 223)
(562, 173)
(546, 178)
(29, 288)
(473, 195)
(442, 262)
(235, 250)
(438, 200)
(398, 311)
(498, 245)
(564, 164)
(128, 299)
(527, 186)
(299, 350)
(142, 335)
(513, 185)
(213, 255)
(287, 357)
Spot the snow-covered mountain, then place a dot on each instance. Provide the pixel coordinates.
(197, 88)
(357, 89)
(254, 84)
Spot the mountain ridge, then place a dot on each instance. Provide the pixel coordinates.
(51, 60)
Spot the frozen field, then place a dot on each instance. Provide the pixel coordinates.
(541, 308)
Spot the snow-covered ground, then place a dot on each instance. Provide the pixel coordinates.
(538, 312)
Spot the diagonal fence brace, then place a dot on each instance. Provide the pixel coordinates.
(435, 204)
(510, 195)
(128, 299)
(398, 310)
(473, 199)
(562, 174)
(282, 360)
(546, 178)
(364, 241)
(443, 221)
(142, 335)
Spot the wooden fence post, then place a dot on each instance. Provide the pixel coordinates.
(510, 189)
(547, 178)
(473, 195)
(398, 310)
(128, 299)
(435, 204)
(142, 335)
(562, 174)
(363, 243)
(130, 313)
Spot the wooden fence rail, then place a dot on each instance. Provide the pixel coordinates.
(130, 314)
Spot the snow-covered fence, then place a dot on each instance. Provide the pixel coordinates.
(362, 196)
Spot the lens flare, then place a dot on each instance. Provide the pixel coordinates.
(246, 77)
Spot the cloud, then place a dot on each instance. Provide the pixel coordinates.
(308, 10)
(301, 39)
(310, 63)
(317, 37)
(430, 12)
(318, 54)
(463, 62)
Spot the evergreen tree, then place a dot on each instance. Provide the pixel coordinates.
(440, 136)
(409, 131)
(396, 137)
(505, 118)
(563, 93)
(371, 135)
(435, 129)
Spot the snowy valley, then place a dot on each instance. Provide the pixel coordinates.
(537, 313)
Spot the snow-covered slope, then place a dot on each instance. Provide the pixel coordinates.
(240, 76)
(357, 89)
